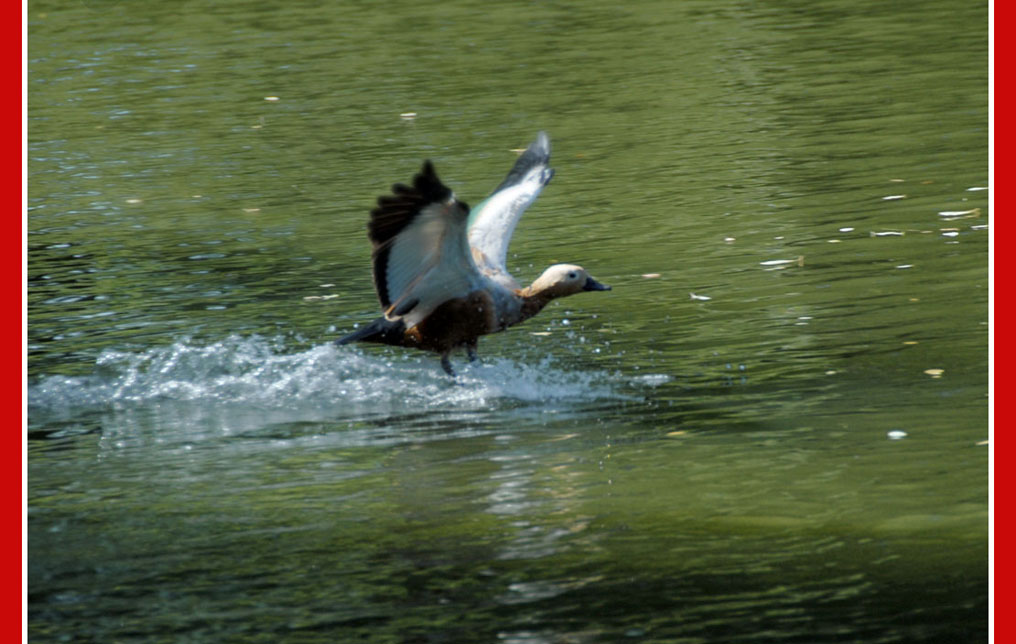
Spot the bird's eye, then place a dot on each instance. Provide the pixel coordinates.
(571, 275)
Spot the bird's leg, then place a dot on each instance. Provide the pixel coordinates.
(471, 352)
(446, 364)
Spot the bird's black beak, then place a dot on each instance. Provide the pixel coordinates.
(593, 285)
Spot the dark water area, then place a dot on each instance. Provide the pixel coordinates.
(773, 429)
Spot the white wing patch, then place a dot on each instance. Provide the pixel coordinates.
(429, 262)
(492, 222)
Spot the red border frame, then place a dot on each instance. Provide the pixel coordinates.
(1001, 130)
(14, 477)
(999, 345)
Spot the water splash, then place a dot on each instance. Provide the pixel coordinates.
(260, 372)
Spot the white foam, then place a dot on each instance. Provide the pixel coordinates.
(256, 371)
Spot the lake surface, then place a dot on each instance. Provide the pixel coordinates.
(773, 429)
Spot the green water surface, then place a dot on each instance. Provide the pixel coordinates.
(773, 429)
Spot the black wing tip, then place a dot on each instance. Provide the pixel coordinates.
(394, 211)
(539, 149)
(397, 210)
(541, 144)
(537, 154)
(427, 183)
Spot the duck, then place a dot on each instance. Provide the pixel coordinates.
(439, 266)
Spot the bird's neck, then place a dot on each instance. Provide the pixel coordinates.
(533, 301)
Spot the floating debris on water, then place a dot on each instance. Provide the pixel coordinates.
(407, 116)
(959, 213)
(896, 434)
(893, 197)
(905, 266)
(701, 298)
(976, 188)
(887, 233)
(539, 333)
(950, 233)
(934, 373)
(565, 437)
(271, 98)
(730, 240)
(251, 210)
(650, 276)
(783, 262)
(847, 229)
(910, 342)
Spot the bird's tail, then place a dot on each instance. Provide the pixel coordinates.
(380, 330)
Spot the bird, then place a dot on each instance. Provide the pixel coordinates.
(439, 267)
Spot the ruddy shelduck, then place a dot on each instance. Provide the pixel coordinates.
(439, 267)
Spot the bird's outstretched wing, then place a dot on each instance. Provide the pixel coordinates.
(421, 252)
(492, 222)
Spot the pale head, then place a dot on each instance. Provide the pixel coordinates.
(565, 279)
